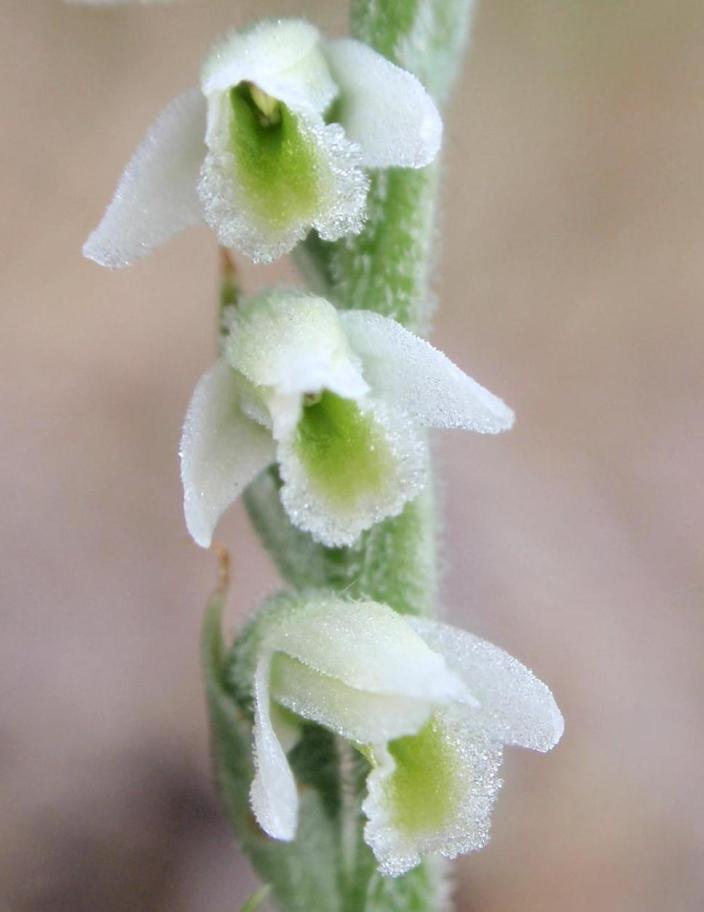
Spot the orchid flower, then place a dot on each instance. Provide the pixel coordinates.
(429, 705)
(275, 142)
(338, 399)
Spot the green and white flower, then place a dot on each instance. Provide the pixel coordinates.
(338, 400)
(275, 142)
(430, 706)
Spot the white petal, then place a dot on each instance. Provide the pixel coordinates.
(383, 108)
(273, 793)
(365, 645)
(419, 379)
(358, 715)
(156, 197)
(516, 708)
(457, 788)
(395, 460)
(281, 56)
(293, 343)
(221, 451)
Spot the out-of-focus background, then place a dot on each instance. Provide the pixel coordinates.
(571, 281)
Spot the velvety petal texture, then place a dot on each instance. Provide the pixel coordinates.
(221, 451)
(275, 168)
(283, 57)
(358, 669)
(430, 705)
(341, 398)
(384, 109)
(516, 708)
(431, 793)
(157, 196)
(276, 143)
(293, 342)
(273, 794)
(422, 381)
(349, 465)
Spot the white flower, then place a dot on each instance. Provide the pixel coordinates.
(274, 143)
(338, 399)
(430, 705)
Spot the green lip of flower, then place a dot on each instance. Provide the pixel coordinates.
(338, 399)
(254, 154)
(431, 705)
(344, 453)
(274, 162)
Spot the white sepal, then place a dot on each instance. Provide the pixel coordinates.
(292, 342)
(282, 57)
(515, 707)
(361, 716)
(273, 794)
(384, 109)
(419, 379)
(221, 451)
(156, 197)
(366, 645)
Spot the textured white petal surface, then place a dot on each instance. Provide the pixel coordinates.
(475, 760)
(383, 108)
(365, 645)
(293, 342)
(515, 707)
(281, 56)
(342, 188)
(335, 523)
(221, 451)
(273, 793)
(358, 715)
(156, 197)
(419, 379)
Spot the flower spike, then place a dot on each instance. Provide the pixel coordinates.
(338, 400)
(277, 141)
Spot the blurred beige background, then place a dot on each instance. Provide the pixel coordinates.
(571, 279)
